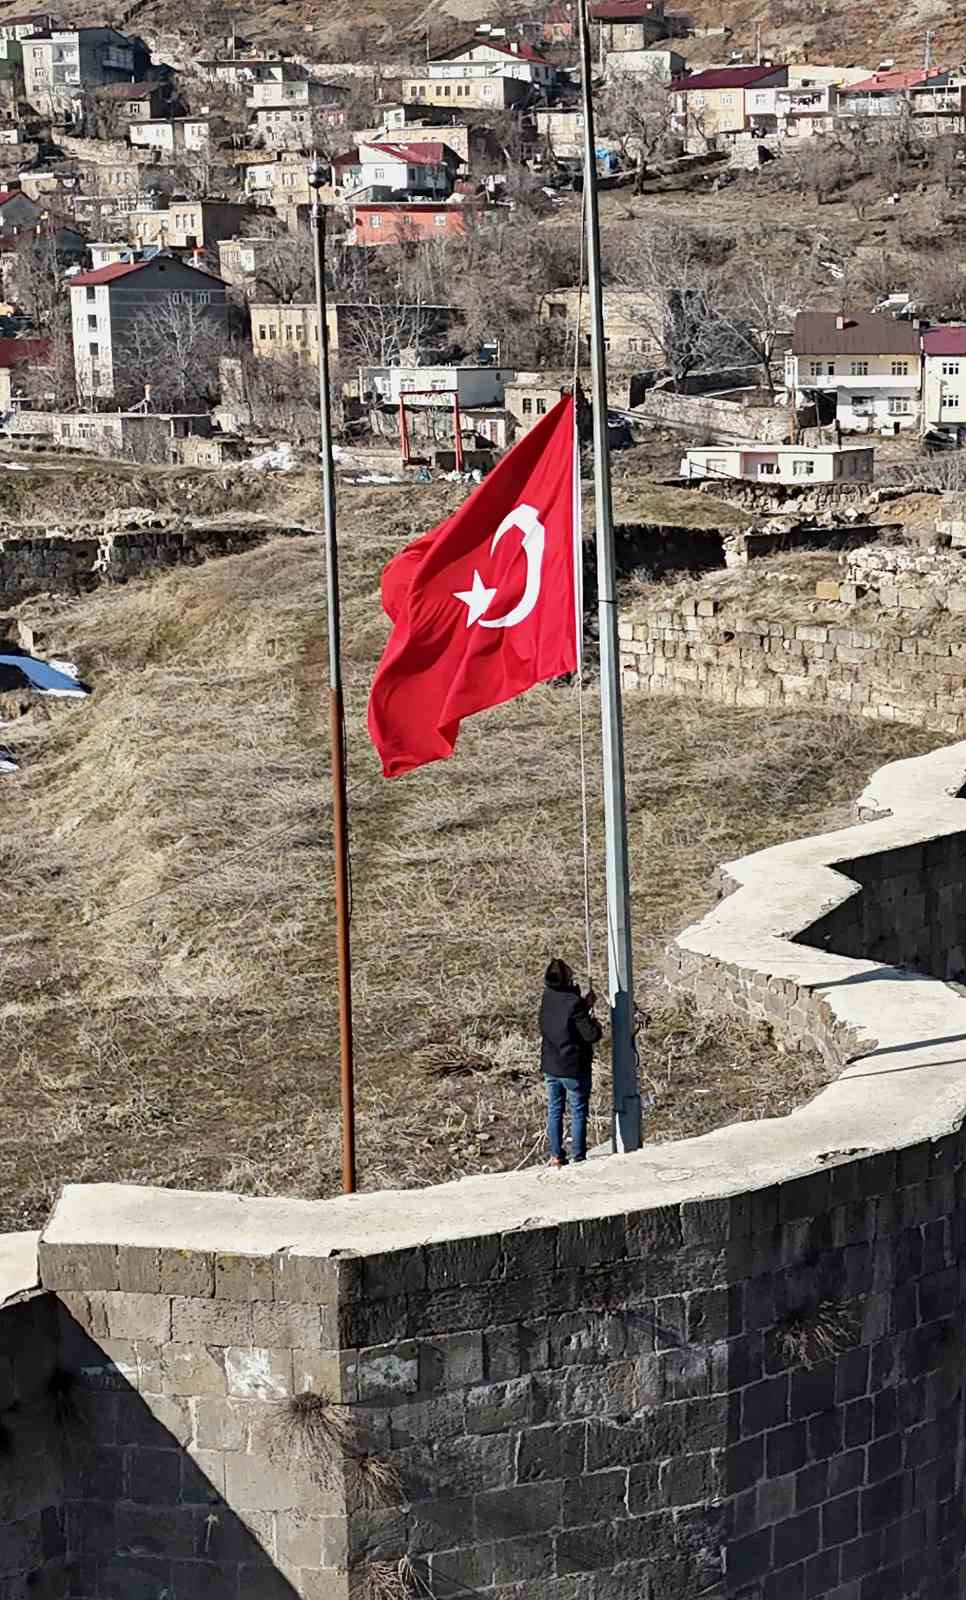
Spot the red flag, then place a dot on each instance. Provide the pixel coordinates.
(483, 606)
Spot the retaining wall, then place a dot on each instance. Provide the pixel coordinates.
(729, 1366)
(715, 650)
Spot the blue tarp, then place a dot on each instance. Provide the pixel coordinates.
(26, 672)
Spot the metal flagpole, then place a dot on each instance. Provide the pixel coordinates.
(627, 1099)
(340, 832)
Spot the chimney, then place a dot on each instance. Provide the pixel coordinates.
(839, 323)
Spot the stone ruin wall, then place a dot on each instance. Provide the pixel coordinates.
(715, 650)
(731, 1366)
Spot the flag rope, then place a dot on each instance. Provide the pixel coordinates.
(579, 601)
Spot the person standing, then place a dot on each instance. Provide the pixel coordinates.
(568, 1030)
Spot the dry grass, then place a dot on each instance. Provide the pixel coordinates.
(168, 1008)
(308, 1427)
(817, 1333)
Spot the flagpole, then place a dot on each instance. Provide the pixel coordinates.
(340, 830)
(626, 1126)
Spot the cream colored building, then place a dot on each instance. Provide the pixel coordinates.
(718, 100)
(531, 396)
(186, 224)
(631, 319)
(494, 93)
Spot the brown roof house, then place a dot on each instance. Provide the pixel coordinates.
(871, 365)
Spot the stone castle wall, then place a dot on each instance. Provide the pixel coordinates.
(727, 1367)
(714, 650)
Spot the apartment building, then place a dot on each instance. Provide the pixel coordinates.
(171, 136)
(870, 364)
(944, 379)
(719, 100)
(106, 303)
(186, 224)
(61, 66)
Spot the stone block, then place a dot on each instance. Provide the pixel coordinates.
(385, 1372)
(329, 1583)
(323, 1372)
(187, 1272)
(313, 1280)
(255, 1372)
(522, 1560)
(393, 1272)
(153, 1477)
(452, 1361)
(139, 1316)
(288, 1325)
(555, 1450)
(222, 1423)
(139, 1269)
(241, 1277)
(461, 1262)
(826, 589)
(299, 1538)
(210, 1321)
(77, 1266)
(506, 1513)
(192, 1369)
(263, 1484)
(493, 1408)
(706, 608)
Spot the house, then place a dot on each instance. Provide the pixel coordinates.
(800, 466)
(104, 305)
(280, 182)
(242, 72)
(239, 259)
(560, 131)
(106, 253)
(944, 379)
(716, 101)
(294, 91)
(186, 224)
(428, 386)
(662, 65)
(61, 66)
(629, 24)
(286, 126)
(492, 57)
(437, 126)
(631, 319)
(138, 102)
(531, 395)
(25, 27)
(19, 358)
(130, 435)
(921, 92)
(870, 364)
(500, 92)
(17, 209)
(408, 222)
(171, 136)
(293, 330)
(393, 170)
(558, 22)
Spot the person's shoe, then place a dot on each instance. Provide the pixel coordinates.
(558, 1161)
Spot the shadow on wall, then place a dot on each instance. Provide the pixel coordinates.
(103, 1495)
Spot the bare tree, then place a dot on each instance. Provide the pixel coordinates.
(386, 333)
(173, 347)
(286, 268)
(37, 277)
(682, 302)
(634, 110)
(758, 298)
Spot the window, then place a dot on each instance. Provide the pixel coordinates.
(830, 369)
(900, 369)
(633, 344)
(92, 324)
(299, 335)
(767, 469)
(376, 222)
(948, 399)
(541, 408)
(288, 334)
(815, 369)
(92, 295)
(727, 99)
(899, 406)
(950, 369)
(862, 405)
(273, 332)
(440, 222)
(859, 369)
(527, 407)
(803, 468)
(262, 332)
(717, 464)
(95, 350)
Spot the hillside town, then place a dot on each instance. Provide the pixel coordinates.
(157, 263)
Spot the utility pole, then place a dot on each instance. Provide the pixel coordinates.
(626, 1127)
(340, 831)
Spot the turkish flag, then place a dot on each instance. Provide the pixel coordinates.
(484, 605)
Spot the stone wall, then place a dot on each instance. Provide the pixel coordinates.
(721, 419)
(729, 1367)
(32, 1452)
(57, 564)
(714, 650)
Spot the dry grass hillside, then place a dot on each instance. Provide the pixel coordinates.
(168, 1010)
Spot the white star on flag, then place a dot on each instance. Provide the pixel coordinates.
(476, 599)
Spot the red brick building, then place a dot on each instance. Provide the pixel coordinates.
(408, 222)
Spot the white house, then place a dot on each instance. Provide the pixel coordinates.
(475, 386)
(944, 379)
(170, 134)
(393, 168)
(870, 364)
(756, 461)
(483, 58)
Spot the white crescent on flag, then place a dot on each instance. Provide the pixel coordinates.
(479, 598)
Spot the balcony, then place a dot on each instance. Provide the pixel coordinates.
(858, 381)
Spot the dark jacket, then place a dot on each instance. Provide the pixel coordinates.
(569, 1034)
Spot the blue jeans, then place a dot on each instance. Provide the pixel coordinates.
(559, 1091)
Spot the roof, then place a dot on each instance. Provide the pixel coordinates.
(127, 91)
(895, 82)
(949, 341)
(20, 352)
(620, 10)
(520, 49)
(14, 194)
(864, 334)
(431, 152)
(725, 77)
(121, 269)
(405, 206)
